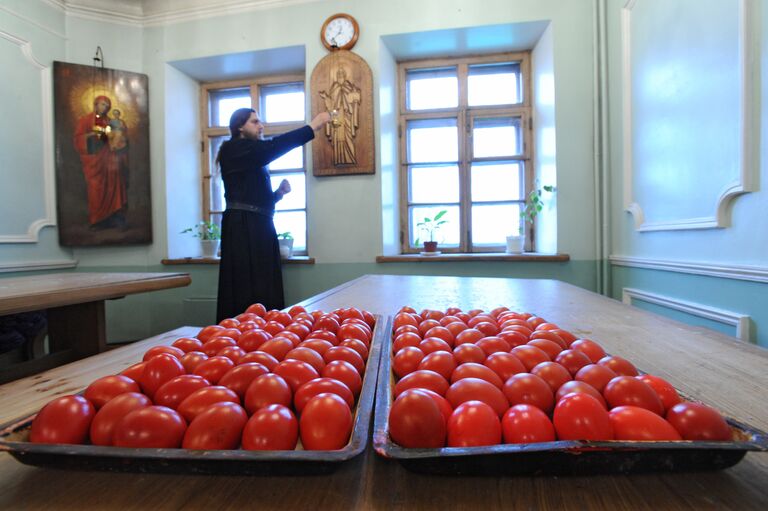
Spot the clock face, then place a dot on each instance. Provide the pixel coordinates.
(339, 32)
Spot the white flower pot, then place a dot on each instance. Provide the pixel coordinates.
(210, 247)
(515, 244)
(286, 247)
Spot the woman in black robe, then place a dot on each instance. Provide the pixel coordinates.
(250, 270)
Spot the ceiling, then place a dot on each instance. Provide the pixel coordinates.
(158, 12)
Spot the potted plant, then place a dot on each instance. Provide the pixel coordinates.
(532, 207)
(285, 240)
(430, 227)
(209, 234)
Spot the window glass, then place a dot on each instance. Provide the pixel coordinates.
(447, 234)
(294, 222)
(500, 136)
(492, 223)
(282, 103)
(465, 148)
(297, 199)
(433, 140)
(293, 159)
(494, 84)
(497, 181)
(224, 102)
(216, 185)
(216, 219)
(432, 88)
(431, 184)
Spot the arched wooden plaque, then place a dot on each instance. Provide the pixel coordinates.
(342, 82)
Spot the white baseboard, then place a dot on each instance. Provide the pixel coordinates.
(741, 322)
(36, 266)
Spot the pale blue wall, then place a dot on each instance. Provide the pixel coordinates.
(183, 193)
(351, 219)
(686, 147)
(32, 34)
(545, 144)
(336, 236)
(388, 151)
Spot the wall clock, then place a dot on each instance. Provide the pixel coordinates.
(340, 32)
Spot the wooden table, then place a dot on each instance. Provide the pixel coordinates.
(75, 311)
(718, 369)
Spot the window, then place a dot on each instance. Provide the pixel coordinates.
(465, 148)
(281, 105)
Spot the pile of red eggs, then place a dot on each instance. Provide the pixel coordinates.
(483, 378)
(259, 381)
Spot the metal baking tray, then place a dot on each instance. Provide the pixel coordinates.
(565, 457)
(15, 434)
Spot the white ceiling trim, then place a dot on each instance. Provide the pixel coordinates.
(91, 13)
(56, 3)
(144, 13)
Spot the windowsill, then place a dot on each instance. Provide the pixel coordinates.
(215, 260)
(498, 256)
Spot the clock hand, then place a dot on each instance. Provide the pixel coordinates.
(338, 33)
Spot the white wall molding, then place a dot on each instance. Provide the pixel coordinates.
(46, 102)
(144, 13)
(741, 322)
(747, 179)
(37, 265)
(751, 273)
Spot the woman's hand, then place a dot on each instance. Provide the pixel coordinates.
(285, 187)
(320, 120)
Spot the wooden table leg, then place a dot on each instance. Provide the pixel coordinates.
(74, 332)
(80, 327)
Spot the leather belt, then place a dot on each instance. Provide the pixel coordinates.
(249, 207)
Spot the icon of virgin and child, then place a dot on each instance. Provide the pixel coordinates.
(101, 141)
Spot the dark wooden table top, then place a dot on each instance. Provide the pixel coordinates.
(715, 368)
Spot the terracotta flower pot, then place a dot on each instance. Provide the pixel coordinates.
(430, 246)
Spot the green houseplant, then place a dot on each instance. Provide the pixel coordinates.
(534, 204)
(285, 241)
(209, 234)
(430, 227)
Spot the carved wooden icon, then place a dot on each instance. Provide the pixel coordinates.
(343, 85)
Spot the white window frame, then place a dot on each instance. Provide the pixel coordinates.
(209, 132)
(465, 117)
